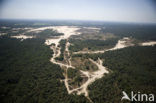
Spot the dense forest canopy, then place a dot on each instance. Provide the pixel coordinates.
(28, 76)
(133, 69)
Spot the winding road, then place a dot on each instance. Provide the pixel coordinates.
(92, 76)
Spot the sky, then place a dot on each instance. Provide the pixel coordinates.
(143, 11)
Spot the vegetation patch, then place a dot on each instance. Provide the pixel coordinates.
(91, 44)
(83, 64)
(133, 69)
(75, 77)
(62, 46)
(27, 75)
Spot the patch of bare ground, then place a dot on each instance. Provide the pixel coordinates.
(79, 73)
(22, 37)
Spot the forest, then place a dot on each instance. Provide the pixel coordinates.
(137, 31)
(91, 44)
(27, 75)
(47, 33)
(131, 69)
(62, 45)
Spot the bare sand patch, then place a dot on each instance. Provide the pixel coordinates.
(122, 43)
(66, 30)
(22, 37)
(150, 43)
(92, 76)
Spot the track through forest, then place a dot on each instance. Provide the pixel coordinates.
(68, 31)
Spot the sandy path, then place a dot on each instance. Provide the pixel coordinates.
(120, 44)
(68, 31)
(92, 76)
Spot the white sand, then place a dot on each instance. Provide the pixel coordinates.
(150, 43)
(66, 30)
(22, 29)
(52, 41)
(40, 29)
(120, 44)
(101, 69)
(22, 37)
(92, 77)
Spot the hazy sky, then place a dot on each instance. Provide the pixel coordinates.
(105, 10)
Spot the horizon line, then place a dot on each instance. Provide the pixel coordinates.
(82, 20)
